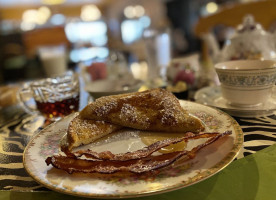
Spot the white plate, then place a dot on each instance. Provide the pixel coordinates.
(107, 87)
(212, 96)
(207, 162)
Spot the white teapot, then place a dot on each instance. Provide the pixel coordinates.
(250, 41)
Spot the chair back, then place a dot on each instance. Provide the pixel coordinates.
(44, 37)
(232, 15)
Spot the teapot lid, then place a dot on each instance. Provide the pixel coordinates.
(249, 25)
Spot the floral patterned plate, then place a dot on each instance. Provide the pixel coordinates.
(207, 162)
(212, 96)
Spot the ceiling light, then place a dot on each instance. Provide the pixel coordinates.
(211, 7)
(52, 2)
(139, 11)
(129, 12)
(90, 13)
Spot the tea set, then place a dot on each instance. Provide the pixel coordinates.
(246, 68)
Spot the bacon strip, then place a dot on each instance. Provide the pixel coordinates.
(141, 153)
(71, 164)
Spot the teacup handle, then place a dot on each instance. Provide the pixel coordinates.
(23, 92)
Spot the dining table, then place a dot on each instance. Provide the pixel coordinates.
(251, 175)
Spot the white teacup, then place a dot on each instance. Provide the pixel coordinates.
(246, 82)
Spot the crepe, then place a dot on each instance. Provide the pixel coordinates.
(85, 131)
(151, 110)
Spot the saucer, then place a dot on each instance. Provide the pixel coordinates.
(212, 96)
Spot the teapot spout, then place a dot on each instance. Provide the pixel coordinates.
(212, 47)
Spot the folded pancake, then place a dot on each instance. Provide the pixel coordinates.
(84, 131)
(153, 110)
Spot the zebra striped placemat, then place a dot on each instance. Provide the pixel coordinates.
(16, 131)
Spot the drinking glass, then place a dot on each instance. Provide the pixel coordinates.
(158, 50)
(53, 60)
(54, 97)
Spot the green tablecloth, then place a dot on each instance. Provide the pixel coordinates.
(252, 177)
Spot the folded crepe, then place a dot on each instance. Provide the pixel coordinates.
(151, 110)
(84, 131)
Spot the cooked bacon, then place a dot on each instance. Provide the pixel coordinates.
(141, 153)
(149, 163)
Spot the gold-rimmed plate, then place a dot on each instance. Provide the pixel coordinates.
(207, 162)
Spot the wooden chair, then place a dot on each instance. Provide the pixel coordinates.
(32, 40)
(232, 15)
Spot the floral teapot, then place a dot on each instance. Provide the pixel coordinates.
(250, 41)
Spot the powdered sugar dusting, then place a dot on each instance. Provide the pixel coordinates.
(85, 123)
(131, 114)
(170, 115)
(106, 108)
